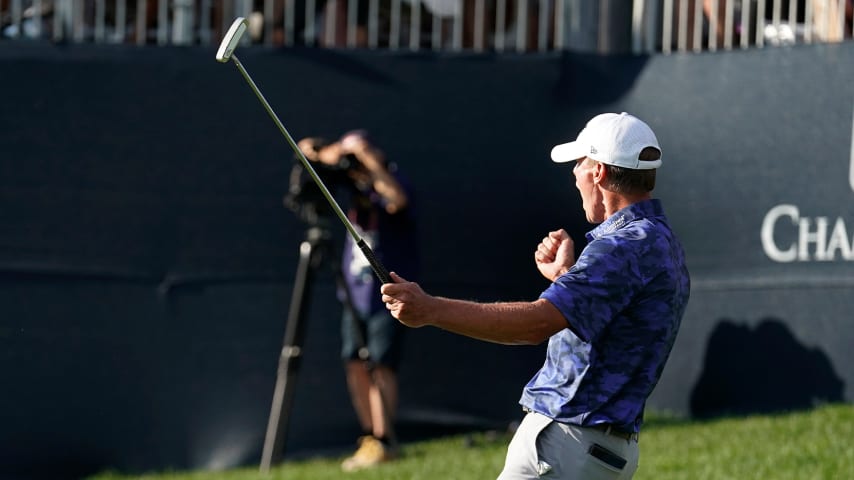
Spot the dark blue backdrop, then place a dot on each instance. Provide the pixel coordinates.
(146, 260)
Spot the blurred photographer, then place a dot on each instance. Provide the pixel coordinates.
(381, 209)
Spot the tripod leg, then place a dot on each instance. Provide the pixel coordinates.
(289, 359)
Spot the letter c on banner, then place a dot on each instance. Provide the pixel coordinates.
(767, 234)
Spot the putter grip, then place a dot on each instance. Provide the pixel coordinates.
(377, 267)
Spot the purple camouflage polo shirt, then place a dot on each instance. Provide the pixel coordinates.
(623, 299)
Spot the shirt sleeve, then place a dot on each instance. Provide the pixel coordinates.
(597, 288)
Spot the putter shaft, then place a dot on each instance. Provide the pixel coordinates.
(377, 267)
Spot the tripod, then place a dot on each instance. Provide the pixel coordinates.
(311, 255)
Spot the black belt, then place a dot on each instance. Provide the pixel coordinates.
(604, 427)
(610, 430)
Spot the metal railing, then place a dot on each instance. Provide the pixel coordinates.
(521, 25)
(476, 25)
(695, 25)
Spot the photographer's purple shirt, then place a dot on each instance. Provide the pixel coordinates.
(392, 239)
(623, 301)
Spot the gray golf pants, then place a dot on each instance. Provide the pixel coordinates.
(543, 448)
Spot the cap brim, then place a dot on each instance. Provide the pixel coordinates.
(569, 152)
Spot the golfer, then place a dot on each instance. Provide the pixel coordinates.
(610, 316)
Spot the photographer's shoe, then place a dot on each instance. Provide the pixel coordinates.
(371, 452)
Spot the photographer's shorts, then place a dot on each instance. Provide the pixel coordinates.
(543, 448)
(382, 335)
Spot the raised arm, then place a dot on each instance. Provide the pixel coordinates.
(511, 323)
(373, 159)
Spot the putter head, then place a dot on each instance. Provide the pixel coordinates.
(231, 39)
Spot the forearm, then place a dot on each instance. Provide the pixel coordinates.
(389, 188)
(382, 181)
(510, 323)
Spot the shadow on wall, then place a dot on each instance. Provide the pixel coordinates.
(762, 370)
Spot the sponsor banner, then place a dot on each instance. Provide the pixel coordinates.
(758, 182)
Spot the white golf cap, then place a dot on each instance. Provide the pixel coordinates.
(615, 139)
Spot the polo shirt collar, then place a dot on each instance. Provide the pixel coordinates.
(635, 211)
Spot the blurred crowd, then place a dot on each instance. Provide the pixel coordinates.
(512, 25)
(711, 24)
(521, 24)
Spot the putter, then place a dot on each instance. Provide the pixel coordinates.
(226, 53)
